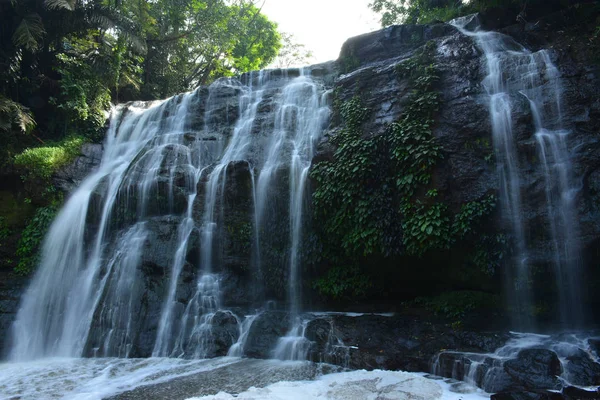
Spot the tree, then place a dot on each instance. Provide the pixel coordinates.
(415, 11)
(63, 61)
(292, 53)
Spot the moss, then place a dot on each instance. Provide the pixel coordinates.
(42, 162)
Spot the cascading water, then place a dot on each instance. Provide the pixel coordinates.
(514, 73)
(299, 119)
(57, 310)
(162, 168)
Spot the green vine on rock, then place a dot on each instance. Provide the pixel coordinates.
(31, 239)
(375, 198)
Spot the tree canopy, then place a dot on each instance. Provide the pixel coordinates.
(62, 62)
(426, 11)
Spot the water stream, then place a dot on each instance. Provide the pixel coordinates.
(89, 295)
(516, 74)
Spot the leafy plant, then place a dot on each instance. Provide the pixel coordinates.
(4, 229)
(375, 198)
(457, 305)
(31, 238)
(14, 113)
(42, 162)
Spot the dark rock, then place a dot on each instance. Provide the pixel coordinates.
(70, 177)
(487, 341)
(266, 330)
(498, 380)
(527, 395)
(581, 370)
(535, 369)
(392, 342)
(595, 346)
(11, 288)
(318, 331)
(575, 393)
(224, 332)
(386, 43)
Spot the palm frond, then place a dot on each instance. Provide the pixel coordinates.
(131, 79)
(29, 33)
(13, 112)
(24, 119)
(60, 4)
(107, 18)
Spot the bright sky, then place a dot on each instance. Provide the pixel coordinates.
(322, 25)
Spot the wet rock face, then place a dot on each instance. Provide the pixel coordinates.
(535, 368)
(224, 333)
(468, 168)
(11, 288)
(581, 370)
(266, 330)
(70, 177)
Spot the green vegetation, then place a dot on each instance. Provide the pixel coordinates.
(455, 306)
(42, 162)
(62, 62)
(376, 198)
(428, 11)
(31, 238)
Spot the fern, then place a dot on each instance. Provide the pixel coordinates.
(60, 4)
(29, 33)
(12, 112)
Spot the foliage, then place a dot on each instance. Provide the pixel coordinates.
(62, 62)
(292, 53)
(13, 113)
(31, 238)
(425, 227)
(457, 305)
(427, 11)
(416, 11)
(471, 214)
(83, 100)
(342, 282)
(42, 162)
(375, 198)
(4, 229)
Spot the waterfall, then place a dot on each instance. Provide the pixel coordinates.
(166, 164)
(513, 73)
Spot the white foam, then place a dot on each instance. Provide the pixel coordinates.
(93, 379)
(350, 314)
(358, 385)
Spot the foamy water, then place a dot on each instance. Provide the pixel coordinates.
(360, 385)
(166, 378)
(95, 378)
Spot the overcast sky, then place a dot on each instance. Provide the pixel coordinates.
(322, 25)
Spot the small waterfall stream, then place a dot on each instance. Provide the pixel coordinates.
(515, 73)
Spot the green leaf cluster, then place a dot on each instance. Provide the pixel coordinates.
(63, 61)
(31, 238)
(375, 197)
(42, 162)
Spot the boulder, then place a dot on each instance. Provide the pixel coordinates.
(575, 393)
(535, 369)
(264, 333)
(581, 370)
(70, 177)
(225, 332)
